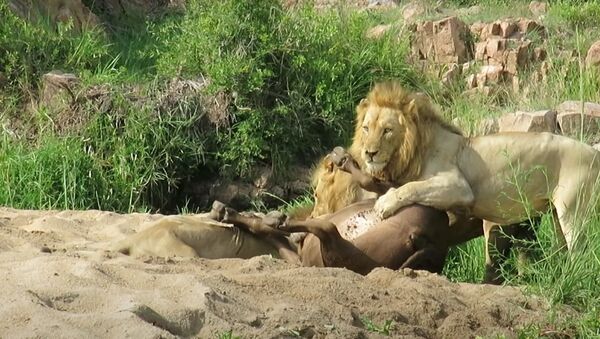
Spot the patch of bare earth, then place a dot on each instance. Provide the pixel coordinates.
(58, 281)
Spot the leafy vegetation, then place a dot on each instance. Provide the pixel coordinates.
(284, 84)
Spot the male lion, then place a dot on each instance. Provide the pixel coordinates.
(500, 178)
(353, 237)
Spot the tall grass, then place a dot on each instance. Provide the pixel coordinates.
(296, 74)
(285, 84)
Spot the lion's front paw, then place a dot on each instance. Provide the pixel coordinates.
(387, 204)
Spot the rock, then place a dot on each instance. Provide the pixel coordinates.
(412, 10)
(507, 29)
(451, 75)
(488, 126)
(538, 8)
(592, 58)
(378, 31)
(570, 114)
(596, 146)
(55, 11)
(528, 26)
(538, 121)
(489, 74)
(476, 28)
(58, 90)
(471, 81)
(264, 178)
(442, 42)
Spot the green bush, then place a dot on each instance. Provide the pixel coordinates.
(296, 75)
(28, 50)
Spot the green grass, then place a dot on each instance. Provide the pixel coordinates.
(383, 329)
(287, 83)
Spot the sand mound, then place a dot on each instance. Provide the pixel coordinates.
(57, 281)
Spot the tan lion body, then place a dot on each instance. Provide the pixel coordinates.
(194, 236)
(502, 178)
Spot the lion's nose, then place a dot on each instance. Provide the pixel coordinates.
(371, 154)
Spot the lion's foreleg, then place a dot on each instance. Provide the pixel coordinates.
(444, 191)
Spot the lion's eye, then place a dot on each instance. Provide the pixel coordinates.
(366, 129)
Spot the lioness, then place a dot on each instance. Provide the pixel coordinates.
(202, 236)
(503, 178)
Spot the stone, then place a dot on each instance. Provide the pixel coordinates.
(538, 8)
(538, 121)
(539, 54)
(471, 81)
(592, 59)
(507, 29)
(528, 26)
(488, 126)
(571, 113)
(451, 75)
(490, 74)
(412, 10)
(263, 178)
(442, 41)
(378, 31)
(59, 90)
(476, 28)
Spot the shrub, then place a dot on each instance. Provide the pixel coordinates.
(295, 75)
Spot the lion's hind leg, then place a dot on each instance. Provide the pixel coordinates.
(160, 240)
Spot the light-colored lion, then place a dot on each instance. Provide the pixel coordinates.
(334, 189)
(194, 236)
(501, 178)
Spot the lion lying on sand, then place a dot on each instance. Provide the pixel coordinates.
(201, 236)
(504, 178)
(416, 237)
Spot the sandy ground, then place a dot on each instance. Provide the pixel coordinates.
(57, 281)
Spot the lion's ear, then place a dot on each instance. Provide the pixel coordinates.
(412, 107)
(328, 163)
(361, 112)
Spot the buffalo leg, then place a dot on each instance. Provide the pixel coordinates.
(335, 250)
(264, 227)
(345, 162)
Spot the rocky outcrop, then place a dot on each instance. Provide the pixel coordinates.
(570, 118)
(505, 50)
(571, 115)
(537, 121)
(502, 51)
(442, 42)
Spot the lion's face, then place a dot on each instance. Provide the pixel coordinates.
(381, 136)
(333, 189)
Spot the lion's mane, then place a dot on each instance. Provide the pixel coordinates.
(416, 114)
